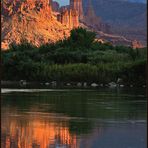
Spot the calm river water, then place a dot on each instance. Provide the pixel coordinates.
(104, 118)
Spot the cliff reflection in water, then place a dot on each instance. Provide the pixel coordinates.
(33, 131)
(41, 131)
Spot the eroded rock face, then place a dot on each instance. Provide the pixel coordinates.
(11, 7)
(38, 21)
(69, 15)
(77, 5)
(30, 20)
(69, 18)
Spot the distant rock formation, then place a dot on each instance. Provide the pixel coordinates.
(94, 21)
(136, 44)
(72, 15)
(125, 18)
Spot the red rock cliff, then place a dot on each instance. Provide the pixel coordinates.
(69, 18)
(30, 20)
(77, 5)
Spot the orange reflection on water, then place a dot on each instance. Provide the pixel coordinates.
(28, 132)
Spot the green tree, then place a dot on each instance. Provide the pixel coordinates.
(82, 37)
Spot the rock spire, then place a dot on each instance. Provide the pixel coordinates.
(77, 5)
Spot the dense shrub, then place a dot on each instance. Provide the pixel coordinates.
(78, 58)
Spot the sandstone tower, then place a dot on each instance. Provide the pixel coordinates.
(77, 5)
(93, 21)
(71, 15)
(90, 17)
(69, 18)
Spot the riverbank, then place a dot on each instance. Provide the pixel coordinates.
(64, 85)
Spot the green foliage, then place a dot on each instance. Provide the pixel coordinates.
(78, 58)
(80, 37)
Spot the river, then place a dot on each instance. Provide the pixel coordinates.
(74, 118)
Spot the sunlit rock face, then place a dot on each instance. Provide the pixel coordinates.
(10, 7)
(68, 15)
(30, 20)
(69, 18)
(77, 5)
(44, 21)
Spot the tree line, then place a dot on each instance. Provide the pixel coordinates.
(78, 58)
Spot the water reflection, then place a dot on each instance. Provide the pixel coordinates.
(73, 120)
(28, 132)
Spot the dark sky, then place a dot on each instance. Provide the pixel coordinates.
(63, 2)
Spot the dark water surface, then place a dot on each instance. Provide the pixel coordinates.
(104, 118)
